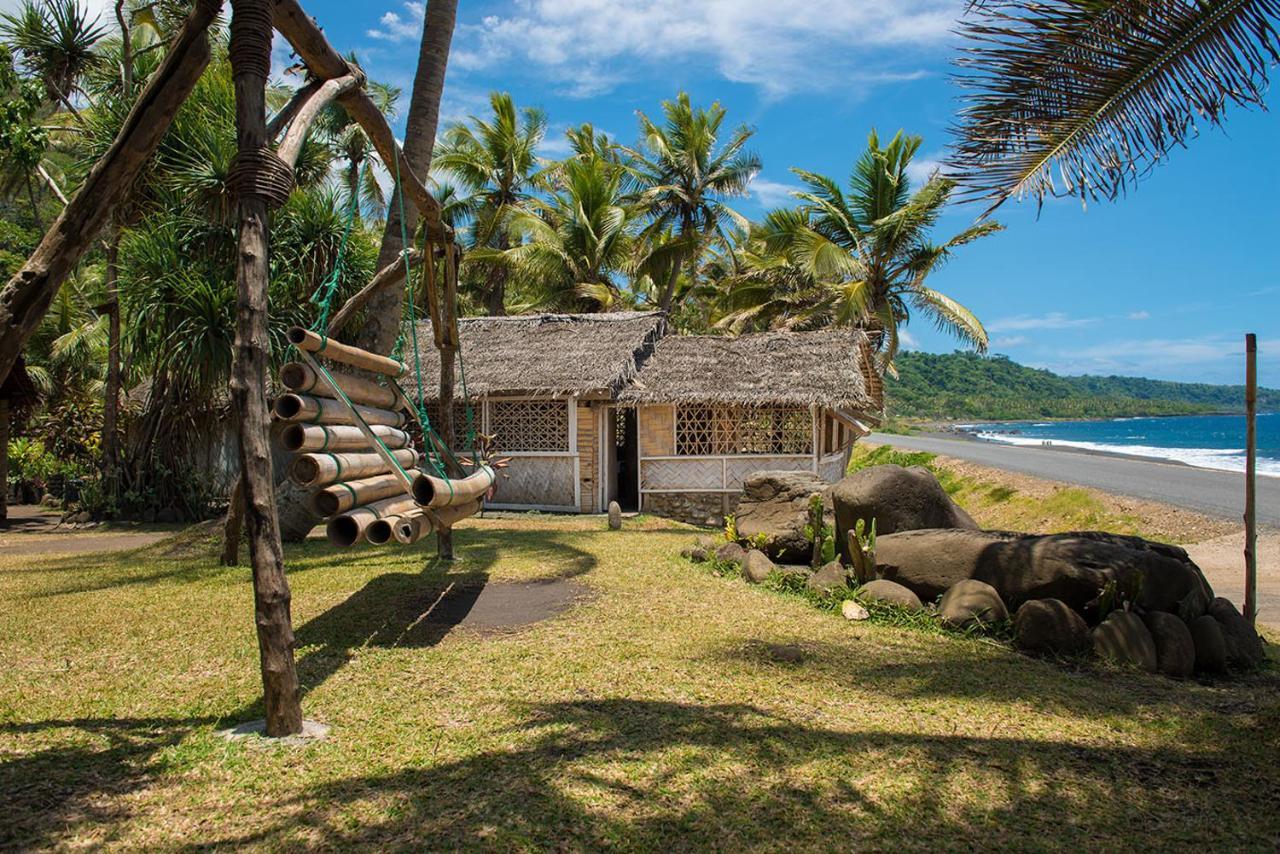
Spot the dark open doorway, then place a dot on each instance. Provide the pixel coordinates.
(623, 459)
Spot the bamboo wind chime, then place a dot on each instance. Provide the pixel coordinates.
(352, 448)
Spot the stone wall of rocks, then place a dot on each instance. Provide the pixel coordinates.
(696, 508)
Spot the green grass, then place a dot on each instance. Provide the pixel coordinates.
(647, 716)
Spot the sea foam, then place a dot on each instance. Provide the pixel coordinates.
(1222, 459)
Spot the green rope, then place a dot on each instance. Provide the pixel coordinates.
(323, 297)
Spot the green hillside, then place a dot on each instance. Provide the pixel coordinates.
(965, 385)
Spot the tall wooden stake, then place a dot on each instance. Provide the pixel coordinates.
(251, 62)
(1251, 477)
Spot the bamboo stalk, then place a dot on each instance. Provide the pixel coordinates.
(322, 410)
(303, 379)
(380, 531)
(315, 470)
(341, 497)
(310, 437)
(436, 492)
(305, 339)
(444, 518)
(1251, 478)
(348, 528)
(411, 527)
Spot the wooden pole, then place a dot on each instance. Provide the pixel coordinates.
(231, 527)
(4, 458)
(388, 276)
(29, 293)
(1251, 477)
(251, 62)
(307, 113)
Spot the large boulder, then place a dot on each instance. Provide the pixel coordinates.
(1072, 567)
(898, 499)
(1175, 648)
(776, 504)
(1123, 638)
(1244, 647)
(890, 593)
(830, 577)
(757, 566)
(970, 601)
(1211, 645)
(731, 553)
(1050, 627)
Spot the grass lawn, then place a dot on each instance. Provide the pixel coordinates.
(648, 715)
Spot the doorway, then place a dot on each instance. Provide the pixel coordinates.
(622, 474)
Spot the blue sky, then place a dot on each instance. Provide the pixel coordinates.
(1163, 283)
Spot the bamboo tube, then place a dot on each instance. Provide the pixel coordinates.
(303, 379)
(380, 531)
(436, 492)
(305, 339)
(346, 529)
(444, 518)
(341, 497)
(307, 437)
(410, 527)
(316, 470)
(322, 410)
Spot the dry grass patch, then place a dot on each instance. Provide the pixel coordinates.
(641, 717)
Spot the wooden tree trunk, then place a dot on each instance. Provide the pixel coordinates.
(111, 402)
(382, 325)
(231, 527)
(251, 61)
(26, 298)
(4, 458)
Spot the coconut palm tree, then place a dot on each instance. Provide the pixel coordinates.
(862, 257)
(1098, 93)
(685, 173)
(494, 160)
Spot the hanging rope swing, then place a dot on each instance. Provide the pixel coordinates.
(350, 430)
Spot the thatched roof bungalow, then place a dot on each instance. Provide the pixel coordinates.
(601, 407)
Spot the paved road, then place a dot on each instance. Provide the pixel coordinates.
(1216, 493)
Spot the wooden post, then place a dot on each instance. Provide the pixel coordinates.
(1251, 477)
(111, 404)
(4, 458)
(231, 527)
(251, 62)
(26, 298)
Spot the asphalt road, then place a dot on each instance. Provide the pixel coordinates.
(1217, 493)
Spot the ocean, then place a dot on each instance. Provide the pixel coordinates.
(1208, 441)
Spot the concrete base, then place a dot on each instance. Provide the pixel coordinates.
(311, 731)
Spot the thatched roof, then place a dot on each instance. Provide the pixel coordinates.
(546, 353)
(831, 368)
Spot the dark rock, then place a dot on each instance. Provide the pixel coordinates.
(898, 499)
(80, 518)
(890, 593)
(615, 516)
(1244, 647)
(1050, 627)
(1211, 645)
(775, 504)
(1071, 567)
(1175, 648)
(697, 554)
(731, 553)
(757, 566)
(786, 653)
(970, 601)
(1123, 638)
(829, 577)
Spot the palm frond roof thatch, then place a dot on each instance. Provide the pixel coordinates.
(557, 354)
(628, 356)
(831, 368)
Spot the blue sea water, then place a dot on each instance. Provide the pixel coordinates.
(1208, 441)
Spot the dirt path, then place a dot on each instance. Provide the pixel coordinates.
(1222, 560)
(32, 530)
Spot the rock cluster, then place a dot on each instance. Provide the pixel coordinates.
(1149, 606)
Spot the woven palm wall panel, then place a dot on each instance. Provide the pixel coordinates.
(539, 481)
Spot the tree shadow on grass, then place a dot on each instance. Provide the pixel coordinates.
(646, 774)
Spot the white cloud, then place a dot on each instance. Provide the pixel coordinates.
(393, 27)
(907, 340)
(584, 44)
(1052, 320)
(772, 194)
(1140, 315)
(1011, 341)
(1204, 359)
(922, 166)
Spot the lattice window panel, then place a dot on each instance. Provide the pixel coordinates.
(730, 430)
(529, 425)
(458, 441)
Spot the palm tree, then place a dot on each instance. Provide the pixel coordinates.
(570, 247)
(684, 174)
(1098, 93)
(495, 161)
(861, 258)
(56, 42)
